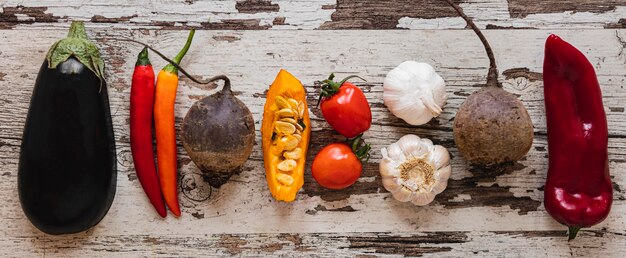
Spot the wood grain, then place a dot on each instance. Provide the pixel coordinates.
(313, 14)
(598, 243)
(488, 213)
(523, 8)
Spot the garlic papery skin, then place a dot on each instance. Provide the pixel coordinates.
(414, 169)
(414, 92)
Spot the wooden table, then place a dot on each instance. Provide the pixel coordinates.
(481, 213)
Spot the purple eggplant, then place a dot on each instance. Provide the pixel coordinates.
(67, 170)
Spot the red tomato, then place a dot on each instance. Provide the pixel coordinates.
(345, 107)
(336, 166)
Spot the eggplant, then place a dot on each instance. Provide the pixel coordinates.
(67, 169)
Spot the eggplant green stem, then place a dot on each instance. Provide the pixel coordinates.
(572, 232)
(78, 46)
(179, 57)
(77, 30)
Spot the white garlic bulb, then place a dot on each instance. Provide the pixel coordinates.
(415, 169)
(414, 92)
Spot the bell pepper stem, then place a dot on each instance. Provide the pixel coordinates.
(572, 232)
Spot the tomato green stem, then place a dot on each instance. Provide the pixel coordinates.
(179, 57)
(330, 87)
(360, 148)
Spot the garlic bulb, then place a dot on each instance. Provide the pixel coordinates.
(415, 170)
(414, 92)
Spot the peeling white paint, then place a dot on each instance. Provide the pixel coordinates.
(307, 14)
(244, 205)
(487, 13)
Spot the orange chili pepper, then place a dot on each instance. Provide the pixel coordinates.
(165, 97)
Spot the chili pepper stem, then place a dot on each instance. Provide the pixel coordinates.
(170, 61)
(572, 232)
(171, 68)
(142, 58)
(492, 75)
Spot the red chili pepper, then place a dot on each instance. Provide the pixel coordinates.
(578, 191)
(141, 108)
(345, 107)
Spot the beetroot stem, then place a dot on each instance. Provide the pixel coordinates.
(492, 76)
(177, 66)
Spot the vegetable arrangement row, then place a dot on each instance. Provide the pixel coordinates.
(67, 169)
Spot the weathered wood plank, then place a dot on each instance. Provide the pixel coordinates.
(481, 201)
(311, 14)
(599, 243)
(522, 8)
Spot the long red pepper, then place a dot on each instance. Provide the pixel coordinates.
(141, 108)
(578, 191)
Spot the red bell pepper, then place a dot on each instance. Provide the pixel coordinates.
(578, 191)
(141, 107)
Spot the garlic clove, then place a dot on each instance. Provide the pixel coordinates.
(388, 168)
(402, 194)
(427, 143)
(440, 157)
(411, 149)
(423, 199)
(395, 153)
(419, 151)
(383, 152)
(443, 173)
(390, 184)
(385, 168)
(419, 199)
(439, 187)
